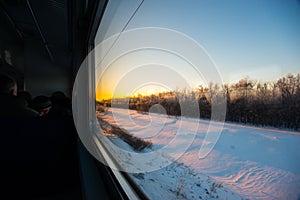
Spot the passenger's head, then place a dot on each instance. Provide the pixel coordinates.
(41, 104)
(58, 97)
(26, 96)
(8, 85)
(6, 56)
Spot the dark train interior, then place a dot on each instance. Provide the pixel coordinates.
(42, 46)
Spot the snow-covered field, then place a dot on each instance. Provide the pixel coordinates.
(246, 163)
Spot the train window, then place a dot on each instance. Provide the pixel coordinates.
(200, 99)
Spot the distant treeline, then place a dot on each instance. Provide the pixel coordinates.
(275, 104)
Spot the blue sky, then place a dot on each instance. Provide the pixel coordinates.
(259, 38)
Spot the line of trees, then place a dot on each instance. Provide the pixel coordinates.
(275, 104)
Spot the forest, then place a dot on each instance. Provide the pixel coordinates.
(274, 104)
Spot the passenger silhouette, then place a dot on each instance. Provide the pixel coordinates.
(10, 104)
(7, 68)
(25, 96)
(61, 105)
(41, 104)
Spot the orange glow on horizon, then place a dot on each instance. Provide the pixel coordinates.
(144, 91)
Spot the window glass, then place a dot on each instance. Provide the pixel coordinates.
(200, 99)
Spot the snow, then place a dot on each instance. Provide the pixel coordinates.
(246, 163)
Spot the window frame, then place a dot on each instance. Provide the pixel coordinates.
(125, 185)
